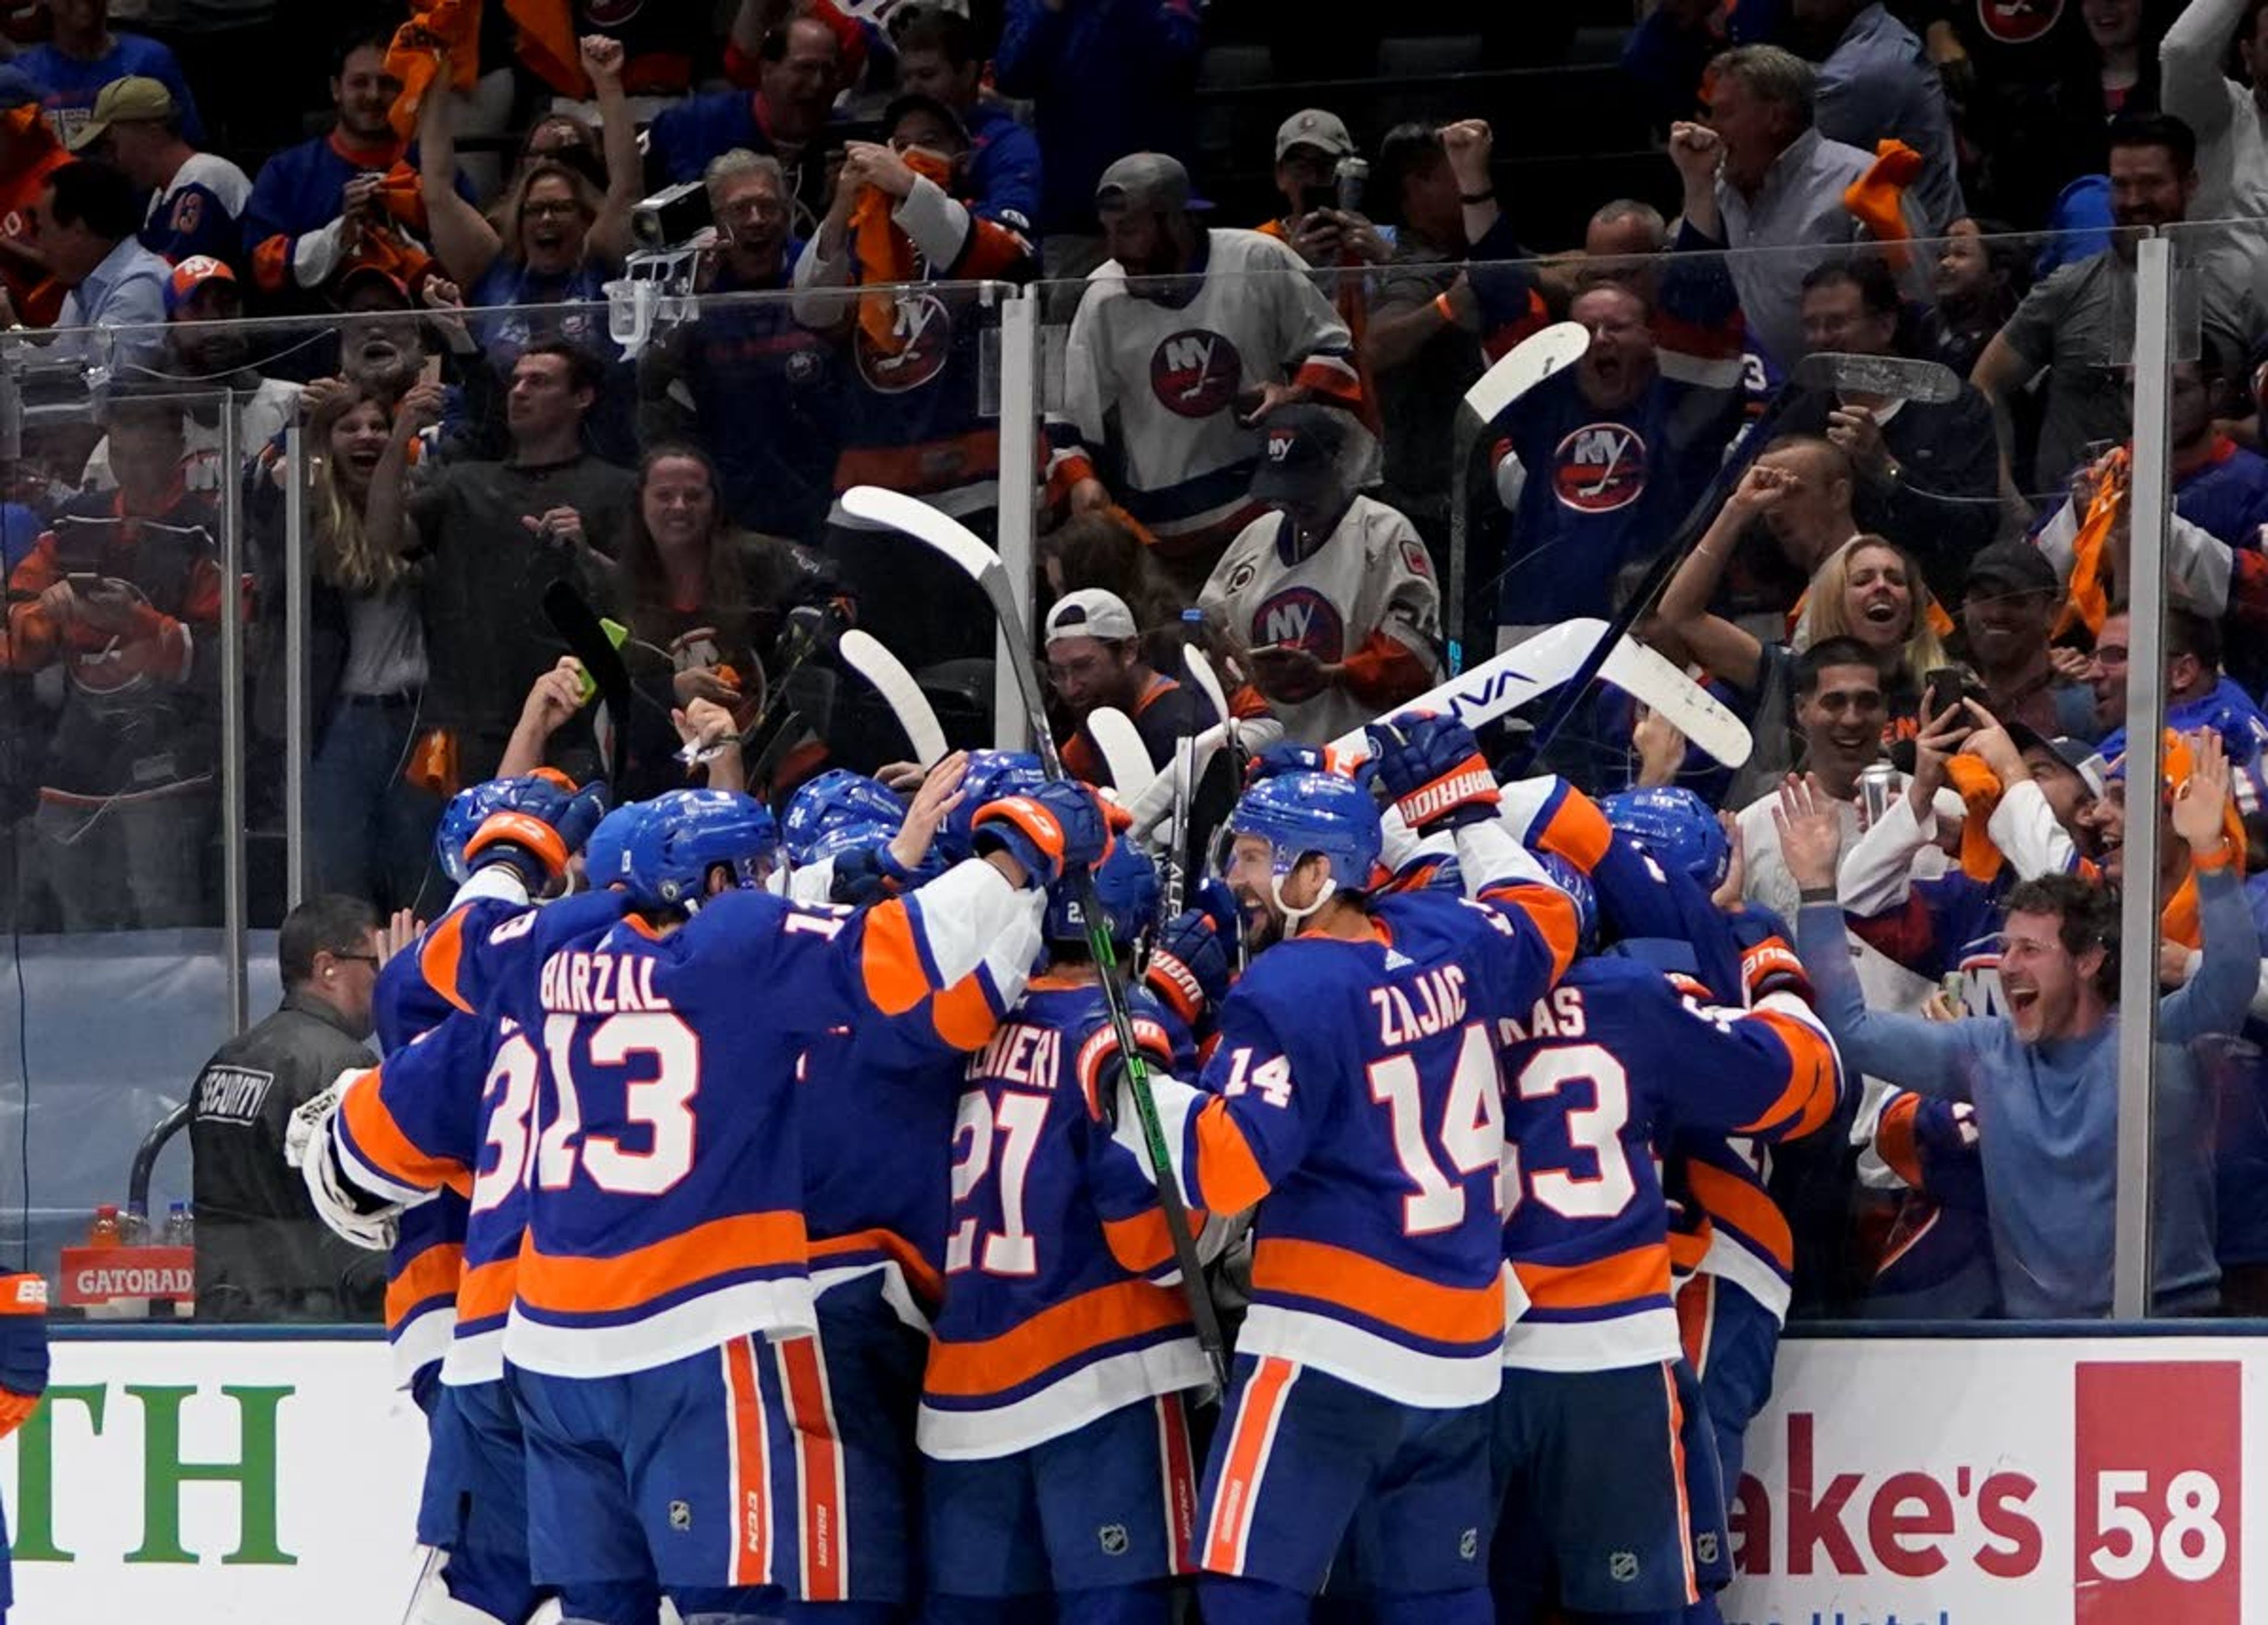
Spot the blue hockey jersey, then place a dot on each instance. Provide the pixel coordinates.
(1592, 1072)
(1050, 1317)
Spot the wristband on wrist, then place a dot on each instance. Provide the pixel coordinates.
(1443, 308)
(1820, 894)
(2221, 857)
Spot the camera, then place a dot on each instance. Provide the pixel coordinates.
(676, 214)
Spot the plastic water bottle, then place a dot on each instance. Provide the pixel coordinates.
(104, 1232)
(180, 1228)
(134, 1229)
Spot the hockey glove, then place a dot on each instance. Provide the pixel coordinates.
(1057, 830)
(1433, 768)
(23, 1348)
(1768, 964)
(1188, 967)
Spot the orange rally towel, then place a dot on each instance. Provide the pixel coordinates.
(2179, 922)
(883, 254)
(2088, 600)
(1980, 791)
(1876, 199)
(436, 27)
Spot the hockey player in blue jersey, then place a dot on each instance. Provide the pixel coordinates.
(1063, 1366)
(664, 1279)
(1355, 1099)
(1614, 1508)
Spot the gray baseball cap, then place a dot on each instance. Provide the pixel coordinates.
(1145, 180)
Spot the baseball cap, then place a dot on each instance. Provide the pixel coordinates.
(1091, 612)
(2077, 755)
(1315, 127)
(135, 98)
(1145, 180)
(193, 274)
(376, 277)
(1299, 450)
(913, 101)
(2018, 564)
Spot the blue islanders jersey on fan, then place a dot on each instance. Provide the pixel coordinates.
(1050, 1320)
(1592, 1073)
(1355, 1096)
(663, 1165)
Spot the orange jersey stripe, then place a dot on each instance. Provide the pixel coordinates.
(1618, 1278)
(1758, 1217)
(1228, 1176)
(484, 1292)
(923, 1280)
(592, 1285)
(380, 1140)
(1809, 1097)
(964, 1015)
(443, 958)
(1899, 1138)
(1577, 832)
(1145, 1241)
(890, 961)
(1696, 1311)
(1108, 1314)
(432, 1273)
(1334, 1275)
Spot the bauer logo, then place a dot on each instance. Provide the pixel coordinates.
(1196, 373)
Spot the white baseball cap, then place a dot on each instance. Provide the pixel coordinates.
(1091, 612)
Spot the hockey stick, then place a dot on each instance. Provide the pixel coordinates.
(1521, 369)
(982, 565)
(863, 653)
(1645, 675)
(1830, 369)
(1190, 763)
(1123, 754)
(587, 639)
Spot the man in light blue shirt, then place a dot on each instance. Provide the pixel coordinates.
(1875, 84)
(88, 219)
(2044, 1077)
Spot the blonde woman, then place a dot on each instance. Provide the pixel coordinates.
(369, 829)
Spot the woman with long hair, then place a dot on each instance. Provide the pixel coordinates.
(369, 828)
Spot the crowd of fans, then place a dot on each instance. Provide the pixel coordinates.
(1253, 437)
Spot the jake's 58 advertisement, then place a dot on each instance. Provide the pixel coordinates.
(211, 1481)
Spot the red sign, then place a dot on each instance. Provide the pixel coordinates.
(107, 1275)
(2158, 1488)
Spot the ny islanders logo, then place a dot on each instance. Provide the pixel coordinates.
(924, 337)
(1300, 618)
(1599, 468)
(1195, 373)
(2018, 22)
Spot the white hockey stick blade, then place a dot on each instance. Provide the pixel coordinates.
(1207, 680)
(1900, 378)
(863, 653)
(941, 530)
(1500, 687)
(1644, 674)
(1525, 365)
(1123, 752)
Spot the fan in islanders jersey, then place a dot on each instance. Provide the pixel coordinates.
(1354, 1098)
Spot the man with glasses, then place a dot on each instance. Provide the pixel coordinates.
(1094, 658)
(261, 1253)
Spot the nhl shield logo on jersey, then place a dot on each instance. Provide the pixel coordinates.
(2018, 22)
(1623, 1566)
(1112, 1538)
(1300, 618)
(1599, 468)
(1196, 373)
(923, 334)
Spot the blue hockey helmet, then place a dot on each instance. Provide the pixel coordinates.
(1678, 827)
(604, 852)
(992, 774)
(1577, 886)
(541, 793)
(1298, 813)
(1125, 885)
(836, 800)
(682, 834)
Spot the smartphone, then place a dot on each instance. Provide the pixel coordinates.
(83, 581)
(1314, 198)
(1946, 686)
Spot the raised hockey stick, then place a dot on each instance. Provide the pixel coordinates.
(1123, 754)
(1644, 675)
(1829, 370)
(1518, 369)
(957, 542)
(588, 640)
(863, 653)
(1190, 762)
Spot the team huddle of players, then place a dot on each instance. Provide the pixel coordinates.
(775, 1230)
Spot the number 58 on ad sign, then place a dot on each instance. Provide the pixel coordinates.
(2158, 1454)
